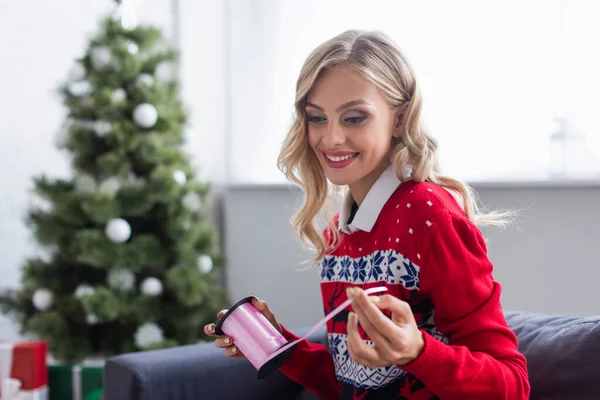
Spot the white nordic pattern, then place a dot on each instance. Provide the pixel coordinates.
(380, 266)
(349, 371)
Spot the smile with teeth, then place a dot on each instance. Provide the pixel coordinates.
(339, 159)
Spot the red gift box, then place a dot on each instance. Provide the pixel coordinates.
(27, 363)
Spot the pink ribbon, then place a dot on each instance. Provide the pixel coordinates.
(332, 314)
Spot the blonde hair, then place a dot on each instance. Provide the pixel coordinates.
(376, 58)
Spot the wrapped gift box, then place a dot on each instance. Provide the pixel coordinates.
(26, 363)
(75, 382)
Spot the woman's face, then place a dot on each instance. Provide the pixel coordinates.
(350, 128)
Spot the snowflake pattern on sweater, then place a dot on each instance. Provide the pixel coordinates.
(382, 266)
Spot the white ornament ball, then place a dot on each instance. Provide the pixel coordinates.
(102, 127)
(42, 299)
(132, 48)
(85, 184)
(164, 71)
(145, 115)
(100, 57)
(121, 279)
(144, 79)
(91, 319)
(180, 177)
(148, 334)
(80, 89)
(118, 230)
(83, 290)
(77, 72)
(205, 264)
(192, 202)
(118, 95)
(152, 286)
(110, 187)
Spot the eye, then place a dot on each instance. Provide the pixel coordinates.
(355, 120)
(315, 119)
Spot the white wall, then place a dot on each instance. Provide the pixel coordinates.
(548, 264)
(38, 42)
(202, 38)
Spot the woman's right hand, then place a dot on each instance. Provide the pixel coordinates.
(224, 342)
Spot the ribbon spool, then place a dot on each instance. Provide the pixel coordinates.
(254, 336)
(262, 344)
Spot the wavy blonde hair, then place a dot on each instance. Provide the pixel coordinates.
(379, 60)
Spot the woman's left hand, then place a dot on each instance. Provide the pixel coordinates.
(396, 341)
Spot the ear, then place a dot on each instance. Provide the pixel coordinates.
(399, 115)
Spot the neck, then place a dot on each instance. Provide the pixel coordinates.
(360, 188)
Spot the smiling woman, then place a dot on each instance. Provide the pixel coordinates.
(358, 124)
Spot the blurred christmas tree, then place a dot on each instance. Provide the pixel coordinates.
(132, 253)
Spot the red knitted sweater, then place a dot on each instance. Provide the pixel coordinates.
(423, 248)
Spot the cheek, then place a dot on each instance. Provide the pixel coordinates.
(313, 137)
(373, 139)
(383, 137)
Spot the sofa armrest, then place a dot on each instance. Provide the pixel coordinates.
(563, 354)
(194, 372)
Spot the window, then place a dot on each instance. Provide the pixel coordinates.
(497, 77)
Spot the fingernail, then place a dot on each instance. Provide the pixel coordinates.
(211, 327)
(350, 314)
(227, 341)
(374, 299)
(259, 302)
(352, 292)
(234, 349)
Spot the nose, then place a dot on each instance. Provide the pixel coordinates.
(333, 136)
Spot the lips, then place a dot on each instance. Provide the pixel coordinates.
(339, 159)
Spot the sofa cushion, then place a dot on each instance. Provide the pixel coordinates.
(563, 354)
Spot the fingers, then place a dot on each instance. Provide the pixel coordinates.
(210, 330)
(375, 323)
(359, 351)
(231, 349)
(401, 311)
(223, 342)
(263, 307)
(233, 352)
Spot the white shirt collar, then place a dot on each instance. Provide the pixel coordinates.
(371, 207)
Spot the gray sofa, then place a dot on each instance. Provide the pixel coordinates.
(563, 356)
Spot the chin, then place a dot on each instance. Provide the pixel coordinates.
(340, 178)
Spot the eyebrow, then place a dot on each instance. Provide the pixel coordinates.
(340, 108)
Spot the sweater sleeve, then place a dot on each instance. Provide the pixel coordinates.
(311, 365)
(482, 360)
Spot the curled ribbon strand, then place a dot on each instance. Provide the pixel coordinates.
(329, 316)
